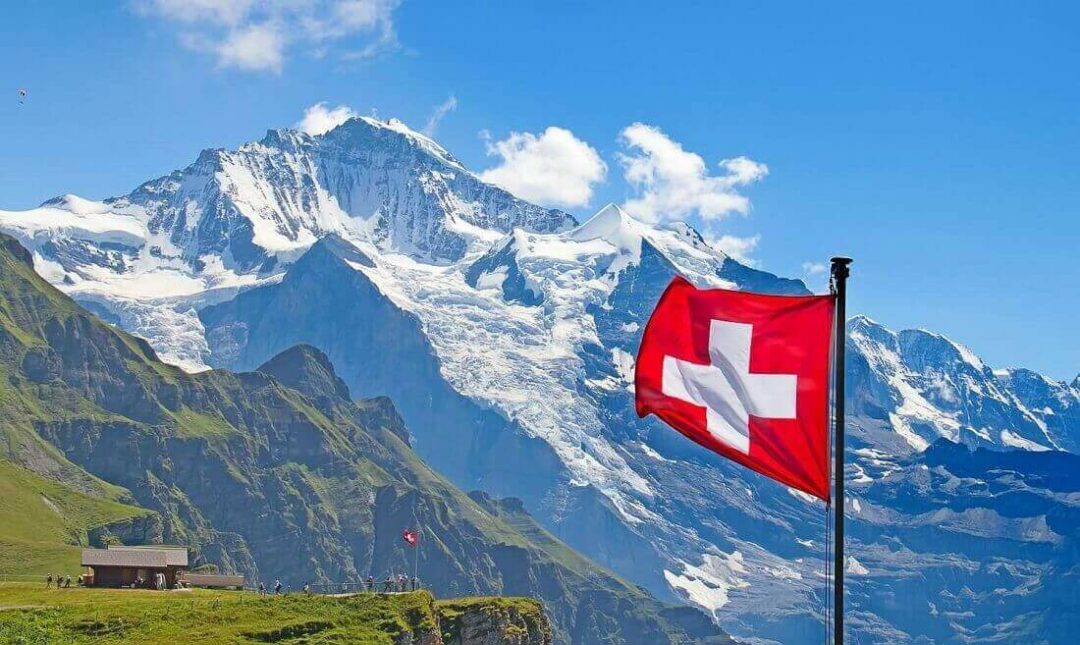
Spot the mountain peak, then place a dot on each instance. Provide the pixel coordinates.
(943, 345)
(307, 370)
(611, 224)
(361, 126)
(861, 324)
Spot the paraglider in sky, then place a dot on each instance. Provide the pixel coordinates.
(22, 95)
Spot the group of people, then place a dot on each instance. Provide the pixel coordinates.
(157, 582)
(400, 582)
(62, 582)
(277, 588)
(392, 584)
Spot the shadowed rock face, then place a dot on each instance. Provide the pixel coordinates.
(277, 473)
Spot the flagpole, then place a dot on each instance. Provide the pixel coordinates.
(840, 274)
(416, 560)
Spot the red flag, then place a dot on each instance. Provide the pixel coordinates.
(410, 537)
(744, 374)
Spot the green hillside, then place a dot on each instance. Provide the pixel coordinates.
(274, 474)
(32, 615)
(43, 521)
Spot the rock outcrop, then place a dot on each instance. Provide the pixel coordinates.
(494, 621)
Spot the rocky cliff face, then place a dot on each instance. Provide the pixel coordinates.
(494, 622)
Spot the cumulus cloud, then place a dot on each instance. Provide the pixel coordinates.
(441, 110)
(258, 35)
(257, 47)
(554, 168)
(672, 183)
(318, 119)
(814, 268)
(737, 248)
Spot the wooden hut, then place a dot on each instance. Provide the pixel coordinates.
(122, 566)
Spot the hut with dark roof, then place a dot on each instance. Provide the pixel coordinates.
(122, 566)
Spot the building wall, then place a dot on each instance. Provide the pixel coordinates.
(105, 576)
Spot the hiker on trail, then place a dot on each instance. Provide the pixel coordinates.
(307, 589)
(388, 583)
(415, 583)
(370, 584)
(403, 582)
(277, 587)
(262, 588)
(67, 582)
(80, 582)
(48, 581)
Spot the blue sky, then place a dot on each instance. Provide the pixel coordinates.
(937, 143)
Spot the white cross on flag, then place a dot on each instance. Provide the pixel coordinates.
(745, 375)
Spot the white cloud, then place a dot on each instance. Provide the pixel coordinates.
(814, 268)
(254, 48)
(254, 35)
(318, 119)
(673, 183)
(554, 168)
(738, 248)
(225, 12)
(441, 110)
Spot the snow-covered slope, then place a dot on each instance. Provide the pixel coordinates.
(506, 333)
(929, 387)
(234, 218)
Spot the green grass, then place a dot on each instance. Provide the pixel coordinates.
(30, 614)
(42, 522)
(190, 423)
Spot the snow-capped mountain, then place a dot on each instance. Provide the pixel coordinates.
(506, 334)
(928, 387)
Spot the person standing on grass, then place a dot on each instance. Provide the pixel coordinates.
(48, 581)
(277, 587)
(67, 582)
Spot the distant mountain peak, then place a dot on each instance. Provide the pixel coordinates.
(308, 371)
(341, 248)
(611, 224)
(361, 126)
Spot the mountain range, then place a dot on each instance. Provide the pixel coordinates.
(276, 473)
(505, 335)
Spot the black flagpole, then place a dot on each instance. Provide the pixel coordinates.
(840, 274)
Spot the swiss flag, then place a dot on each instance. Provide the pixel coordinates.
(410, 537)
(744, 374)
